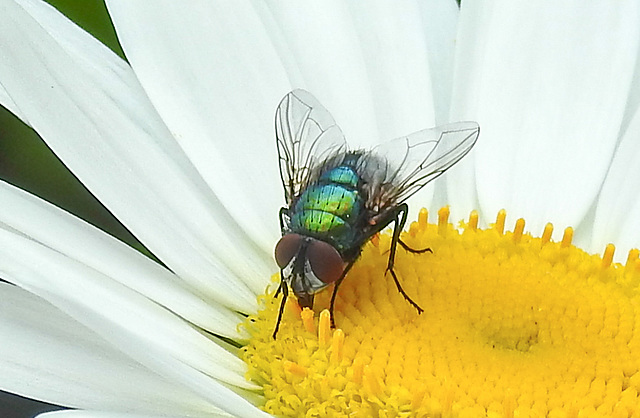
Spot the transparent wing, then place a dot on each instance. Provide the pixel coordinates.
(399, 168)
(306, 136)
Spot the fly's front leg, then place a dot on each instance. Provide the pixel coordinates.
(335, 291)
(282, 284)
(285, 293)
(284, 288)
(399, 219)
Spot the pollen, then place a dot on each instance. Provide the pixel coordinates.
(513, 326)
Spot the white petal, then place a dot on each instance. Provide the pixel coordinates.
(140, 328)
(633, 101)
(114, 311)
(7, 102)
(548, 84)
(367, 64)
(87, 104)
(68, 235)
(215, 78)
(617, 218)
(101, 414)
(393, 45)
(321, 49)
(440, 20)
(46, 355)
(369, 70)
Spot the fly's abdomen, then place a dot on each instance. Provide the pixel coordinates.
(332, 198)
(318, 222)
(329, 212)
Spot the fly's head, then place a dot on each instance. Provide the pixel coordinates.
(308, 265)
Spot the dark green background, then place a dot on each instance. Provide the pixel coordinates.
(25, 161)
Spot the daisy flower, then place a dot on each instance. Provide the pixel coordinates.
(179, 145)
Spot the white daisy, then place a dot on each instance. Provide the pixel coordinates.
(179, 145)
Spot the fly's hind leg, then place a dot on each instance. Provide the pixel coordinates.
(404, 244)
(399, 219)
(413, 250)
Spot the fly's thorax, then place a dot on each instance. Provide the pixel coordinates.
(345, 175)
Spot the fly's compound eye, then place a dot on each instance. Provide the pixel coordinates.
(325, 261)
(287, 248)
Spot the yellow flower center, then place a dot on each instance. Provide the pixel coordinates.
(513, 326)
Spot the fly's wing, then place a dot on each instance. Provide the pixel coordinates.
(306, 136)
(399, 168)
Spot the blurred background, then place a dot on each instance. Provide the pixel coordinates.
(26, 162)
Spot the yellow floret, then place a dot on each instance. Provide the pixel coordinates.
(513, 326)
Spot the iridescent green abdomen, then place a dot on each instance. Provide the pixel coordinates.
(330, 209)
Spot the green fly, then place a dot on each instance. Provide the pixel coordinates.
(338, 198)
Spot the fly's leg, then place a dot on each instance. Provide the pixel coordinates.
(284, 219)
(284, 216)
(399, 219)
(404, 244)
(335, 291)
(285, 294)
(413, 250)
(282, 284)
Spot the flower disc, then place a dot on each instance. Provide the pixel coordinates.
(512, 326)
